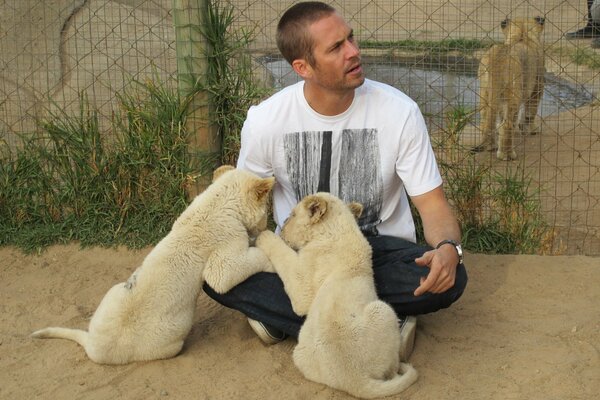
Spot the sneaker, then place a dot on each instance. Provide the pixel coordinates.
(408, 328)
(595, 43)
(588, 31)
(266, 333)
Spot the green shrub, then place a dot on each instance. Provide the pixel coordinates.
(72, 183)
(499, 212)
(229, 80)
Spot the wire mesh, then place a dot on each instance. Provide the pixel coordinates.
(54, 51)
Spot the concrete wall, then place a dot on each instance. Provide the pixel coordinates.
(52, 50)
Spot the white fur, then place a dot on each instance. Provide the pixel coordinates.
(350, 339)
(149, 316)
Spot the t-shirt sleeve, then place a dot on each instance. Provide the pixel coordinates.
(416, 164)
(253, 149)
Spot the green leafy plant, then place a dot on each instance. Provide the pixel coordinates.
(579, 55)
(229, 78)
(71, 183)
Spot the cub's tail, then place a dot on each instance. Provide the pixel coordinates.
(76, 335)
(375, 388)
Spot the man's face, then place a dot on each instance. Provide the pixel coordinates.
(337, 57)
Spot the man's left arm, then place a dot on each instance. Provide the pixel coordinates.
(439, 224)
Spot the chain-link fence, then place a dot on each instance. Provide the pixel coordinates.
(54, 51)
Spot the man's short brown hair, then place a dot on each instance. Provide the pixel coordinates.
(293, 39)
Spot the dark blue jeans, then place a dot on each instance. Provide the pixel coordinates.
(262, 297)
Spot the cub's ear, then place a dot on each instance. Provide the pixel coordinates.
(262, 187)
(220, 171)
(504, 23)
(316, 207)
(356, 209)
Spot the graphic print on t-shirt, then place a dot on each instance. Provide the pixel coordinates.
(345, 164)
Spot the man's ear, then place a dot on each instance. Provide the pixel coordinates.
(263, 187)
(316, 207)
(302, 68)
(356, 209)
(220, 171)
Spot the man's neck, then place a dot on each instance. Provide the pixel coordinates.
(327, 102)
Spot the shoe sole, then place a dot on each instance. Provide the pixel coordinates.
(263, 333)
(408, 329)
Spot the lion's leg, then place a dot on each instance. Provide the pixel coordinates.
(528, 125)
(291, 268)
(506, 133)
(233, 263)
(489, 116)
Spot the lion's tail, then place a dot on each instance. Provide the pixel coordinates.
(381, 388)
(76, 335)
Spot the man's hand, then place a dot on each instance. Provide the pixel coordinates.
(439, 223)
(442, 265)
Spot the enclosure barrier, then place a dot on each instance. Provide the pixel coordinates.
(53, 52)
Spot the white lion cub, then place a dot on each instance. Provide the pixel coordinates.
(350, 339)
(149, 316)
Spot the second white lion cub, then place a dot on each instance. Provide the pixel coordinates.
(350, 339)
(149, 316)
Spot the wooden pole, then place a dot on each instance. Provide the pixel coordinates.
(191, 45)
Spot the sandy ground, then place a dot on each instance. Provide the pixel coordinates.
(528, 327)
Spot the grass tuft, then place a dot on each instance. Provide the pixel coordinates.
(71, 183)
(465, 46)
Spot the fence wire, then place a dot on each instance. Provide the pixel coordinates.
(52, 52)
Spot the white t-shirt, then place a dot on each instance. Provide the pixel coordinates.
(373, 153)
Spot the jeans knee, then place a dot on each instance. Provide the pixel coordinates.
(460, 281)
(461, 277)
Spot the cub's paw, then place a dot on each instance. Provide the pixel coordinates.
(529, 126)
(506, 156)
(487, 144)
(264, 240)
(529, 129)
